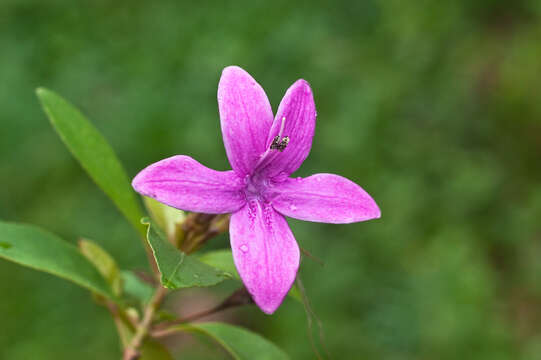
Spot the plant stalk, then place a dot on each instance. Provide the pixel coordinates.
(131, 352)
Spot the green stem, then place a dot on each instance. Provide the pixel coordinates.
(131, 352)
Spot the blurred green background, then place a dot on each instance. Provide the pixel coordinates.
(432, 106)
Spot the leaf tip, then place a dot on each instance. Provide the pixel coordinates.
(40, 91)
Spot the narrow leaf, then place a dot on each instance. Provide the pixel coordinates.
(104, 262)
(33, 247)
(167, 218)
(177, 269)
(223, 260)
(241, 343)
(135, 288)
(93, 152)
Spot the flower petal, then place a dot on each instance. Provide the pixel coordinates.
(183, 183)
(299, 111)
(325, 198)
(265, 252)
(246, 117)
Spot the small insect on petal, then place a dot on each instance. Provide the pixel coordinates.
(284, 143)
(278, 144)
(275, 142)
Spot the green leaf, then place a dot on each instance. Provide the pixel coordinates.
(104, 262)
(135, 288)
(153, 350)
(295, 293)
(223, 260)
(167, 218)
(177, 269)
(93, 152)
(241, 343)
(31, 246)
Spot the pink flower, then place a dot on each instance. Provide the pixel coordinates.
(263, 151)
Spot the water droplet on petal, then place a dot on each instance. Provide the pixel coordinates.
(299, 178)
(292, 207)
(244, 248)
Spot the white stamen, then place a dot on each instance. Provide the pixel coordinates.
(282, 127)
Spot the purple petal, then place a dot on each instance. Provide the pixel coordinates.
(183, 183)
(265, 252)
(246, 117)
(299, 111)
(325, 198)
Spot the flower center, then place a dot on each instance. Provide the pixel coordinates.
(256, 184)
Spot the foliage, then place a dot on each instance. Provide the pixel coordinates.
(93, 268)
(177, 269)
(240, 343)
(92, 151)
(30, 246)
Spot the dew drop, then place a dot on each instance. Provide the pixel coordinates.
(244, 248)
(299, 178)
(292, 207)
